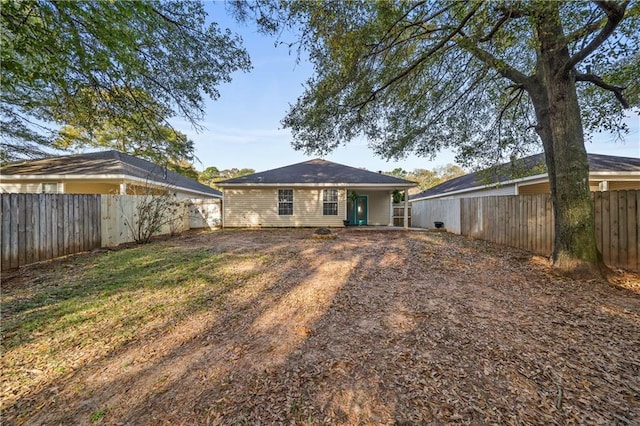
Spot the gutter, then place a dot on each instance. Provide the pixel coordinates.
(28, 178)
(528, 179)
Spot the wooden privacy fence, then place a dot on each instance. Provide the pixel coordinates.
(526, 222)
(38, 227)
(120, 217)
(617, 218)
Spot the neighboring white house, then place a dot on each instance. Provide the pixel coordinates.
(525, 176)
(104, 172)
(309, 194)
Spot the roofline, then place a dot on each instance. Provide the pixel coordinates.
(319, 185)
(528, 179)
(104, 177)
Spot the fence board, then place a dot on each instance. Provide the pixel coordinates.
(86, 241)
(60, 226)
(34, 207)
(5, 237)
(522, 213)
(22, 236)
(597, 217)
(550, 226)
(28, 225)
(77, 226)
(49, 220)
(632, 224)
(606, 223)
(95, 225)
(613, 227)
(623, 248)
(542, 218)
(14, 231)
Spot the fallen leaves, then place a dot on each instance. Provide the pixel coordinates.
(374, 327)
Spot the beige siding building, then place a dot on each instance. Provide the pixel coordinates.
(315, 193)
(105, 172)
(522, 177)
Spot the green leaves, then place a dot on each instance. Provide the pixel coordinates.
(141, 133)
(417, 77)
(54, 53)
(211, 175)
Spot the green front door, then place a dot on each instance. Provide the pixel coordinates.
(357, 210)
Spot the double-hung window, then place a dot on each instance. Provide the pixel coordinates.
(330, 202)
(285, 202)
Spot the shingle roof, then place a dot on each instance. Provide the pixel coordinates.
(528, 166)
(317, 172)
(105, 163)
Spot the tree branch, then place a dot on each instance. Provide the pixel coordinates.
(615, 13)
(422, 58)
(504, 69)
(586, 30)
(508, 14)
(617, 90)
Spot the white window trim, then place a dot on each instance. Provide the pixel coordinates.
(336, 202)
(293, 200)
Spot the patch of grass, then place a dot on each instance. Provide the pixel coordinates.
(74, 311)
(97, 416)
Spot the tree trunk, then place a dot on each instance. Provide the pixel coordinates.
(560, 128)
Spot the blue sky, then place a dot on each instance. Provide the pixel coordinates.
(242, 128)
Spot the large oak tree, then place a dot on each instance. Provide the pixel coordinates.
(95, 63)
(490, 79)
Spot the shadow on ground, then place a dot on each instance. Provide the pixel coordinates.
(372, 327)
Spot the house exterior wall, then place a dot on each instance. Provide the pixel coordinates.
(378, 207)
(536, 188)
(501, 190)
(64, 186)
(91, 188)
(20, 187)
(258, 207)
(623, 185)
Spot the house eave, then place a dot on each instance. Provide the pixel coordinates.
(380, 186)
(105, 177)
(529, 180)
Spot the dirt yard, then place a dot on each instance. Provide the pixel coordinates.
(273, 326)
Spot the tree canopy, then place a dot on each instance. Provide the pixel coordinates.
(95, 62)
(426, 178)
(490, 79)
(421, 76)
(429, 178)
(212, 174)
(135, 134)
